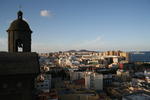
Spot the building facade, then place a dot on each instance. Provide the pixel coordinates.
(18, 68)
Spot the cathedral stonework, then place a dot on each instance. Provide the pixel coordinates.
(19, 35)
(19, 66)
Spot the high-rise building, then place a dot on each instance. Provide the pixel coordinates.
(139, 57)
(94, 81)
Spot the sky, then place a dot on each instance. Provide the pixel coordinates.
(100, 25)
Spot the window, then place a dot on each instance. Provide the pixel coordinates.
(19, 45)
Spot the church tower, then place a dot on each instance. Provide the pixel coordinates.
(19, 35)
(18, 70)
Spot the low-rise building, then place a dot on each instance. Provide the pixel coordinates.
(44, 83)
(94, 81)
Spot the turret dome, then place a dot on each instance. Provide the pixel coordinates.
(19, 24)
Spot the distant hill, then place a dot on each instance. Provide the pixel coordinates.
(82, 50)
(72, 51)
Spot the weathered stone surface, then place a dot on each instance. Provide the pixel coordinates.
(18, 63)
(19, 35)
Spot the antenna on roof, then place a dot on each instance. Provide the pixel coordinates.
(20, 7)
(20, 13)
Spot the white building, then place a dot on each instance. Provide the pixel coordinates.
(147, 75)
(44, 85)
(94, 81)
(69, 61)
(123, 73)
(76, 75)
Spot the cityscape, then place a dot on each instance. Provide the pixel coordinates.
(75, 50)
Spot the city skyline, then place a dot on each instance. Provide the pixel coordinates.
(81, 24)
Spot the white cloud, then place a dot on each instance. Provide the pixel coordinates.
(3, 44)
(46, 13)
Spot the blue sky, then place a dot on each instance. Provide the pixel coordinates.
(81, 24)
